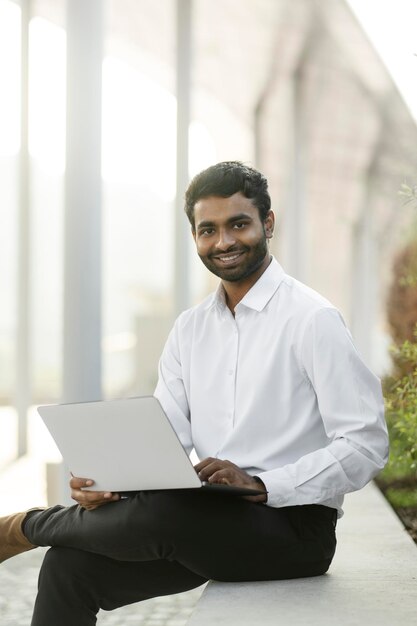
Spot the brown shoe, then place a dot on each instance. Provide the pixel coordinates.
(12, 539)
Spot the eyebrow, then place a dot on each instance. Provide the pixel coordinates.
(231, 220)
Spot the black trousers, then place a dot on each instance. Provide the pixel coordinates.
(163, 542)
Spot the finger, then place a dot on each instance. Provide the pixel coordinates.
(93, 497)
(114, 497)
(81, 497)
(202, 464)
(224, 476)
(210, 469)
(111, 497)
(209, 460)
(216, 466)
(77, 482)
(87, 496)
(207, 463)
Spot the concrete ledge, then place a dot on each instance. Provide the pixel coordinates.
(372, 580)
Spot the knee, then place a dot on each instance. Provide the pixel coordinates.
(67, 568)
(67, 591)
(55, 562)
(64, 566)
(58, 560)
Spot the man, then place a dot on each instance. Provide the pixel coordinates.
(263, 380)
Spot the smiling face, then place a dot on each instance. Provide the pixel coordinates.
(230, 237)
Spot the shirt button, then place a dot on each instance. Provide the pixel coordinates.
(230, 372)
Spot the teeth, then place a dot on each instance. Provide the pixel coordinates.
(228, 258)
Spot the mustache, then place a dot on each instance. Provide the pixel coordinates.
(231, 250)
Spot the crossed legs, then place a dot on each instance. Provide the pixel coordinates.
(159, 543)
(74, 585)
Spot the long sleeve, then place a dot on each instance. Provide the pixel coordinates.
(351, 407)
(170, 390)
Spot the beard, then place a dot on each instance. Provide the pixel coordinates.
(251, 261)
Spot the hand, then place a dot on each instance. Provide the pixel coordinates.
(227, 473)
(90, 499)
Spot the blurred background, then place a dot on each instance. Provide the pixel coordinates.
(108, 107)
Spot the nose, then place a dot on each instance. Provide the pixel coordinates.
(226, 239)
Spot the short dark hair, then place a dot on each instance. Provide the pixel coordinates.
(225, 179)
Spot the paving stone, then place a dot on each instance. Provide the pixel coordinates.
(18, 582)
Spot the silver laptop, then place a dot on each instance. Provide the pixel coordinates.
(125, 446)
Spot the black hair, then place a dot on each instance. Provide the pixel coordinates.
(225, 179)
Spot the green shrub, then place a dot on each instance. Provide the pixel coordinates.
(401, 412)
(401, 497)
(400, 390)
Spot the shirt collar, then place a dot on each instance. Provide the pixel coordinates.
(260, 294)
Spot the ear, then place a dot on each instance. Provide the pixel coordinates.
(269, 224)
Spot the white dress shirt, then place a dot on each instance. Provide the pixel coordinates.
(279, 389)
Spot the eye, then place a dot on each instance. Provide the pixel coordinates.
(239, 225)
(206, 232)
